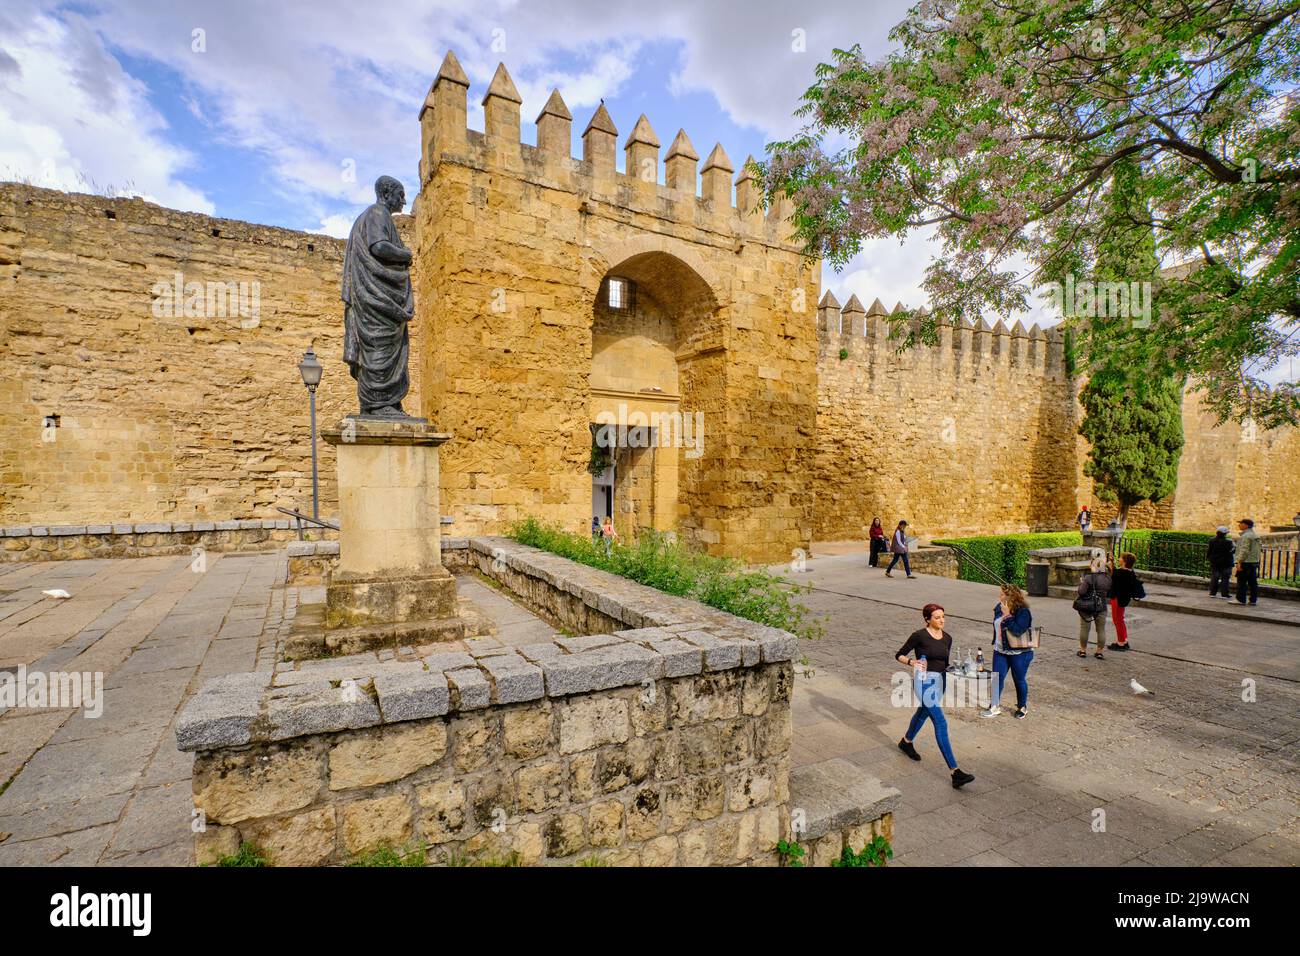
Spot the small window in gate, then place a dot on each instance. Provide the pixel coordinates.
(620, 294)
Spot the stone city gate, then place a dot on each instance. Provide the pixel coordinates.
(517, 249)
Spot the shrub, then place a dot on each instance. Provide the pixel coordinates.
(662, 563)
(248, 855)
(875, 853)
(1004, 554)
(385, 855)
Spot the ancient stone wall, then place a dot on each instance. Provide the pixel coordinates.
(169, 408)
(513, 244)
(973, 436)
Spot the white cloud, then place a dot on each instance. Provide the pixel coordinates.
(72, 119)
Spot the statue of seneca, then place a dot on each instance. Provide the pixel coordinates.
(378, 304)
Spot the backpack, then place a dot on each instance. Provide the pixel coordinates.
(1090, 604)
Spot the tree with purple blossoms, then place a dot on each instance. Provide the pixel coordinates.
(1008, 126)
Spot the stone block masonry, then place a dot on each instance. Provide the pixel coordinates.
(187, 413)
(662, 744)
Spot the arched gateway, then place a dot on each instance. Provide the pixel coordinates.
(554, 295)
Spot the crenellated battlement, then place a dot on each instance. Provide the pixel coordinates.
(687, 194)
(868, 335)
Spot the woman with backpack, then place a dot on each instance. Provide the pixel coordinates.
(1094, 591)
(1010, 617)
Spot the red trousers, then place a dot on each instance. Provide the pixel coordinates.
(1117, 615)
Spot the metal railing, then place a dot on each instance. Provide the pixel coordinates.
(1191, 558)
(308, 519)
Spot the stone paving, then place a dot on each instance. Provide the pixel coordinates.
(1190, 776)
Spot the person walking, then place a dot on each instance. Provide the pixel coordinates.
(1084, 519)
(608, 534)
(1248, 553)
(1010, 616)
(1219, 552)
(877, 541)
(898, 546)
(595, 529)
(931, 647)
(1094, 590)
(1124, 587)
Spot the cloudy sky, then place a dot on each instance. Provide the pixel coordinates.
(284, 113)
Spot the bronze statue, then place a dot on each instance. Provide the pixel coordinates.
(378, 305)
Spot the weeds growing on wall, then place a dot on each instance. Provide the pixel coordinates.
(658, 561)
(1005, 554)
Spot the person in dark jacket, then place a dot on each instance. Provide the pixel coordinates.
(1010, 616)
(1124, 587)
(1094, 592)
(898, 545)
(1220, 552)
(930, 647)
(877, 536)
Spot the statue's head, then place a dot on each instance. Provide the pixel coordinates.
(390, 192)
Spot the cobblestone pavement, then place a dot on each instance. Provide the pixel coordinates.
(114, 790)
(1192, 775)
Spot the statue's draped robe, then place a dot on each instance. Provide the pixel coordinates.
(379, 304)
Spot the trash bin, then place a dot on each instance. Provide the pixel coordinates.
(1036, 579)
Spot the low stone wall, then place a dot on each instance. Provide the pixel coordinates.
(310, 562)
(929, 559)
(73, 542)
(663, 743)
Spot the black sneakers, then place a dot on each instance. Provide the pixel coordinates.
(960, 778)
(1117, 646)
(908, 749)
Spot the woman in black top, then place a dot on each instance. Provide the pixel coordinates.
(1124, 587)
(935, 644)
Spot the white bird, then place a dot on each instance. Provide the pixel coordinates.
(57, 593)
(1138, 688)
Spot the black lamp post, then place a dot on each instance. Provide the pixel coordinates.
(311, 370)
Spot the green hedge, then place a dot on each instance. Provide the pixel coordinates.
(1005, 554)
(1174, 552)
(668, 565)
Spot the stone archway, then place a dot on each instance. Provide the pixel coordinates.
(657, 378)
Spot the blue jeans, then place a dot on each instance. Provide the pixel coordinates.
(1019, 666)
(930, 690)
(900, 554)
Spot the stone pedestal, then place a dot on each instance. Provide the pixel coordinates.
(390, 563)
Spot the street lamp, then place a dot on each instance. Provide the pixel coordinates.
(311, 370)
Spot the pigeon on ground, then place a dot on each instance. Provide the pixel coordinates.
(1138, 688)
(57, 593)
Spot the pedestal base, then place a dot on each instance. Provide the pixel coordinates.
(353, 601)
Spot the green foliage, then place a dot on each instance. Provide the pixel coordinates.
(601, 454)
(1005, 554)
(1135, 430)
(1175, 552)
(456, 858)
(593, 860)
(659, 562)
(791, 853)
(876, 853)
(248, 855)
(844, 353)
(385, 855)
(1068, 135)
